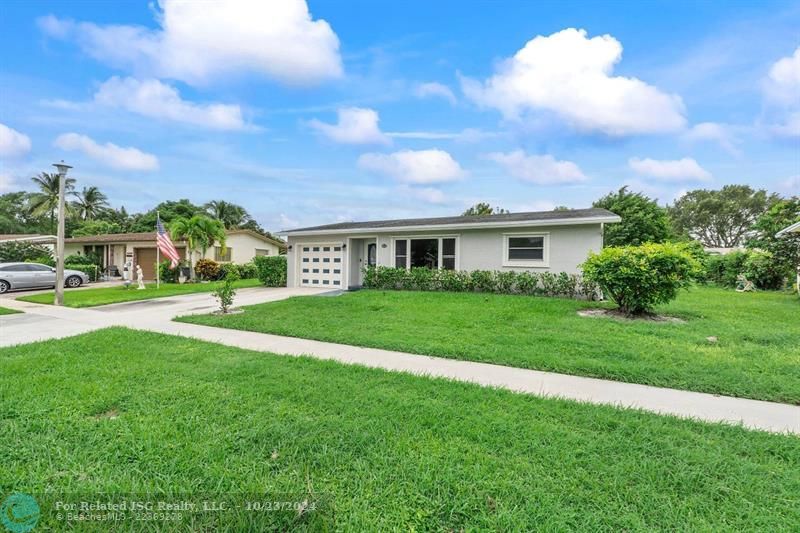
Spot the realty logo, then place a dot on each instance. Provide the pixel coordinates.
(19, 513)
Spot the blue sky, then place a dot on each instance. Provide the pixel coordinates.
(330, 111)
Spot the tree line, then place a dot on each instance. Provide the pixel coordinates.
(88, 212)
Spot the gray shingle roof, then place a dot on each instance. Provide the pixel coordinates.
(536, 216)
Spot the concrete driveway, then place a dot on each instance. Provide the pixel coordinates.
(42, 322)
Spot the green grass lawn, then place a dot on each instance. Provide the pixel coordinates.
(382, 451)
(112, 295)
(7, 311)
(757, 354)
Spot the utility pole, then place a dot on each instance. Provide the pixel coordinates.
(62, 178)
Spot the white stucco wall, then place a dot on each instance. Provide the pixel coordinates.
(476, 249)
(243, 248)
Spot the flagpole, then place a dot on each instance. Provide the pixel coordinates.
(158, 255)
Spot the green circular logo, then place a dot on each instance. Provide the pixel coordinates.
(19, 513)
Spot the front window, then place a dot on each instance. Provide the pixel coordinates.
(261, 252)
(425, 252)
(525, 250)
(219, 256)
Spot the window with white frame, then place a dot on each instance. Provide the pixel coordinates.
(526, 249)
(425, 252)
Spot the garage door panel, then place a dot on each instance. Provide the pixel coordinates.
(321, 265)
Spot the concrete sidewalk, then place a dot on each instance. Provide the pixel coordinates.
(43, 322)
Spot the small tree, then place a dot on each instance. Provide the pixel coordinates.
(225, 292)
(786, 248)
(638, 278)
(200, 233)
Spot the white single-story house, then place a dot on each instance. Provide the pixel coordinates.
(334, 255)
(140, 249)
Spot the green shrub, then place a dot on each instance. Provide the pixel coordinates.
(723, 269)
(638, 278)
(527, 283)
(207, 269)
(20, 251)
(93, 271)
(483, 281)
(505, 282)
(167, 274)
(761, 268)
(247, 271)
(225, 291)
(271, 270)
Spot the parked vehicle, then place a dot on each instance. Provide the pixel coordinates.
(36, 276)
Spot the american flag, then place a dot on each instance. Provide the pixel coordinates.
(164, 244)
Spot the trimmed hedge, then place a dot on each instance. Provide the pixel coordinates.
(243, 271)
(271, 270)
(491, 281)
(757, 266)
(90, 270)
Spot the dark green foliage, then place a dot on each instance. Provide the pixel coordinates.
(167, 274)
(638, 278)
(505, 282)
(271, 270)
(785, 249)
(11, 252)
(761, 268)
(643, 220)
(720, 219)
(90, 258)
(91, 270)
(243, 271)
(757, 266)
(483, 209)
(168, 211)
(96, 227)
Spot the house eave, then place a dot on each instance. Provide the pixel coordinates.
(466, 226)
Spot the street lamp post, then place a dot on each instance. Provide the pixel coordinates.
(62, 178)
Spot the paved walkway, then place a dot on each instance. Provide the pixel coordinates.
(42, 322)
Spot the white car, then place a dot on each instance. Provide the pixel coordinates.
(36, 276)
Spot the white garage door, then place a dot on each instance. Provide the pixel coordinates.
(321, 265)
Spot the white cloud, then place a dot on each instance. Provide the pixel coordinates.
(6, 183)
(435, 89)
(539, 169)
(677, 170)
(782, 85)
(782, 94)
(153, 98)
(109, 154)
(200, 41)
(356, 125)
(428, 194)
(468, 135)
(414, 166)
(714, 132)
(790, 185)
(12, 142)
(570, 75)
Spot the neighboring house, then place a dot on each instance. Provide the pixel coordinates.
(786, 232)
(46, 241)
(335, 255)
(140, 249)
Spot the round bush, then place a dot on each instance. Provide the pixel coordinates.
(207, 269)
(638, 278)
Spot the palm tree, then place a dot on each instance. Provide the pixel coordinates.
(90, 203)
(45, 201)
(200, 233)
(231, 215)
